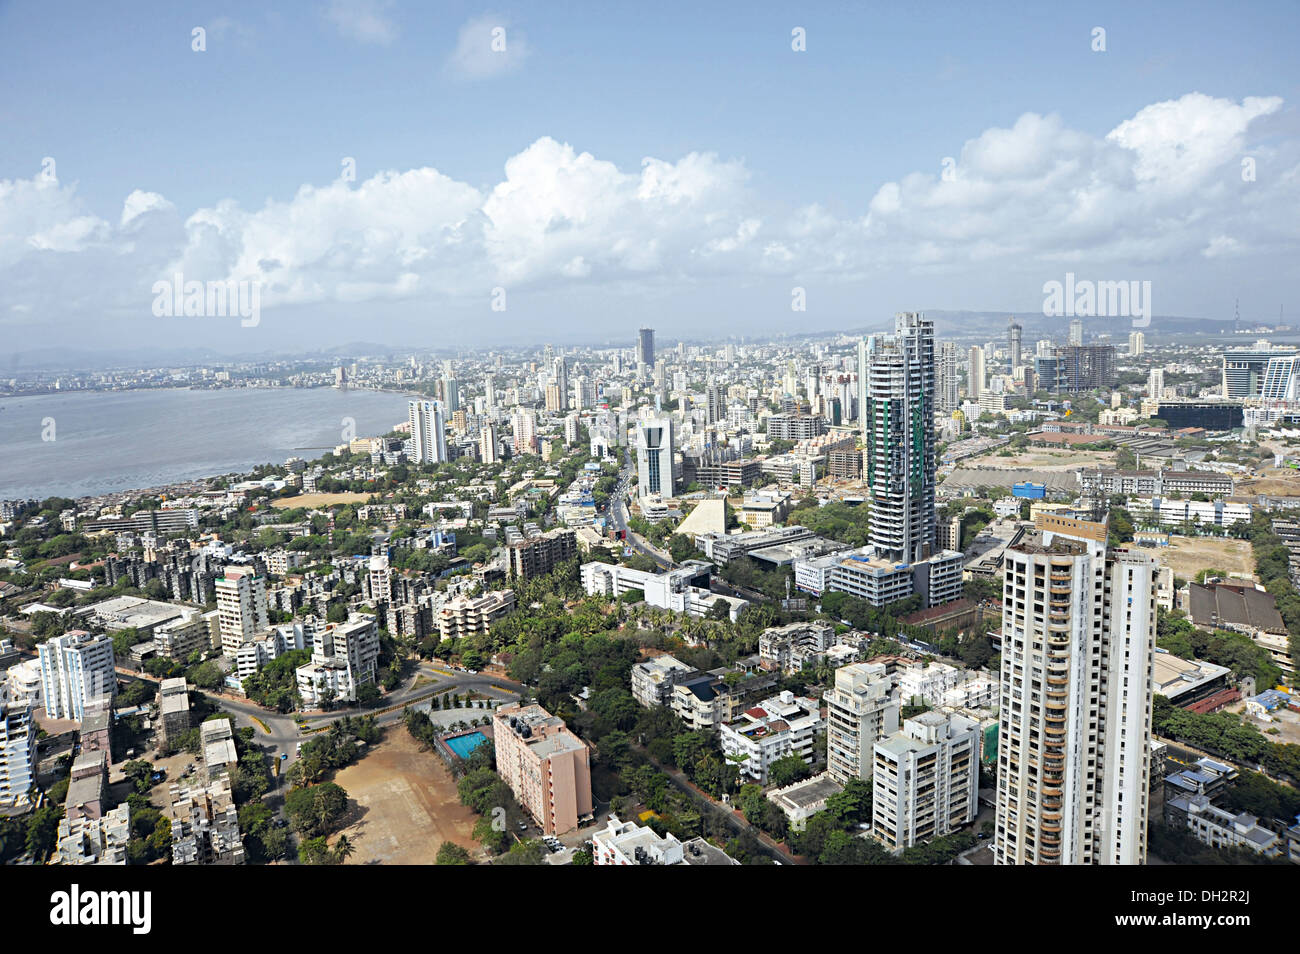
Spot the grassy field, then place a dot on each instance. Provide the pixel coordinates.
(318, 500)
(1189, 555)
(407, 804)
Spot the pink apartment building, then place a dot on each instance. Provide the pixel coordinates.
(545, 764)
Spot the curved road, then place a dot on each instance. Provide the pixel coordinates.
(618, 513)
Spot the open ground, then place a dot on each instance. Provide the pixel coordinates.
(319, 500)
(1189, 555)
(406, 804)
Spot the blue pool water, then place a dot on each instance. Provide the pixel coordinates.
(463, 745)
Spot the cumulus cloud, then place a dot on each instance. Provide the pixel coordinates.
(1163, 188)
(486, 46)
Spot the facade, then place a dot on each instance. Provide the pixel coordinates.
(428, 432)
(947, 393)
(898, 431)
(94, 841)
(464, 616)
(860, 709)
(682, 590)
(76, 673)
(539, 555)
(17, 751)
(926, 780)
(1076, 368)
(1078, 636)
(241, 608)
(775, 728)
(174, 709)
(864, 574)
(546, 766)
(653, 680)
(344, 657)
(654, 455)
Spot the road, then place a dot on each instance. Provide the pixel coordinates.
(618, 513)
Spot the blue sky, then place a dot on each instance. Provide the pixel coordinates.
(118, 98)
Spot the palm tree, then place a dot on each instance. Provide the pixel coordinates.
(343, 849)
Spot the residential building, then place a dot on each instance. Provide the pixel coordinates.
(17, 751)
(1219, 828)
(898, 431)
(541, 554)
(76, 673)
(428, 432)
(174, 709)
(861, 708)
(241, 607)
(345, 656)
(94, 841)
(546, 766)
(464, 616)
(787, 648)
(1078, 641)
(773, 729)
(926, 780)
(653, 679)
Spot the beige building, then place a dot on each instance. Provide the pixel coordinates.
(464, 616)
(241, 603)
(860, 709)
(546, 766)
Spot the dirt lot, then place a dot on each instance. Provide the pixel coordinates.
(1044, 459)
(406, 805)
(1277, 483)
(318, 500)
(1189, 555)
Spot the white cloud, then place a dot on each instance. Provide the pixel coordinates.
(486, 46)
(366, 21)
(1163, 189)
(138, 203)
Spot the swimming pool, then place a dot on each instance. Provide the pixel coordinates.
(463, 745)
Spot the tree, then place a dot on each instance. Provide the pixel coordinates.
(450, 853)
(788, 770)
(343, 850)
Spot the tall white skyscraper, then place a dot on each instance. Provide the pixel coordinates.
(947, 392)
(428, 432)
(1155, 383)
(1137, 343)
(1078, 640)
(975, 374)
(654, 457)
(487, 443)
(524, 424)
(241, 608)
(76, 673)
(1076, 332)
(898, 431)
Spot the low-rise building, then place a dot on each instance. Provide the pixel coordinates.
(94, 841)
(465, 616)
(174, 709)
(774, 728)
(788, 648)
(653, 679)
